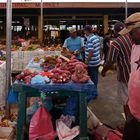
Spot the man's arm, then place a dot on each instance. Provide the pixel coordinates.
(65, 44)
(111, 59)
(90, 49)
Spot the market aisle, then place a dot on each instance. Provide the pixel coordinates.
(107, 107)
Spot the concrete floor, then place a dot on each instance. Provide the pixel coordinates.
(107, 107)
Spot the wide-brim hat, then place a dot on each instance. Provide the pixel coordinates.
(132, 22)
(71, 30)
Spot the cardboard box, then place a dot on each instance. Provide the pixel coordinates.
(6, 133)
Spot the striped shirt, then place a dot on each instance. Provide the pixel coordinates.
(120, 52)
(93, 44)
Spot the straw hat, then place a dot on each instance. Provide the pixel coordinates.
(71, 30)
(132, 22)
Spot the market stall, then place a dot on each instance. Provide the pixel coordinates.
(55, 75)
(2, 82)
(20, 56)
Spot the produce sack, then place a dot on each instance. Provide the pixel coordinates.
(41, 127)
(64, 132)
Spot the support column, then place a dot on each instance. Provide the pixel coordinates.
(40, 31)
(105, 24)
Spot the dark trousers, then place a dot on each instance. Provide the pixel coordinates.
(93, 73)
(131, 129)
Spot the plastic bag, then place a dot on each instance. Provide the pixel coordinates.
(12, 96)
(41, 125)
(64, 132)
(68, 120)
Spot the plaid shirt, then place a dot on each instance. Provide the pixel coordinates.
(120, 52)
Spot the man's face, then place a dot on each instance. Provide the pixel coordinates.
(135, 33)
(86, 32)
(73, 35)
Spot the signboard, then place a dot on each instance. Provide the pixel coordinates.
(34, 1)
(30, 5)
(86, 4)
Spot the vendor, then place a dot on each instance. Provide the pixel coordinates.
(74, 43)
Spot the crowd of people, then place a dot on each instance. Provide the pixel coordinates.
(123, 49)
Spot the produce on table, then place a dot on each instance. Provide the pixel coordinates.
(80, 75)
(48, 74)
(53, 48)
(26, 76)
(31, 47)
(14, 48)
(2, 58)
(66, 53)
(49, 62)
(60, 76)
(7, 121)
(73, 63)
(36, 59)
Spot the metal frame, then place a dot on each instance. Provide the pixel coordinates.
(8, 49)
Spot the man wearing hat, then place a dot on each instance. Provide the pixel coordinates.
(132, 126)
(74, 43)
(92, 54)
(120, 51)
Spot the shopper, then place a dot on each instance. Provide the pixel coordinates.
(132, 126)
(117, 28)
(92, 54)
(120, 51)
(106, 44)
(74, 43)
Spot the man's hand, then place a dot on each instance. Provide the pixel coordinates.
(76, 52)
(103, 73)
(86, 62)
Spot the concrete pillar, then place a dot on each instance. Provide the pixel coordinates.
(40, 31)
(105, 24)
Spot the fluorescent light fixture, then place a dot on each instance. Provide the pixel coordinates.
(63, 21)
(15, 21)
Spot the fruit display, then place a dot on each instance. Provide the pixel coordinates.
(7, 121)
(73, 63)
(47, 74)
(36, 59)
(2, 47)
(26, 76)
(66, 53)
(49, 62)
(58, 69)
(80, 74)
(60, 76)
(3, 58)
(53, 48)
(31, 47)
(14, 48)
